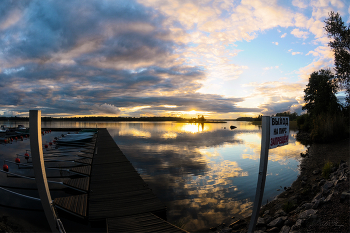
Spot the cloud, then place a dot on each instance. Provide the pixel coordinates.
(284, 35)
(295, 53)
(299, 3)
(299, 34)
(275, 43)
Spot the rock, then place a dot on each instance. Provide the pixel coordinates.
(297, 225)
(280, 213)
(321, 182)
(317, 197)
(288, 222)
(344, 195)
(307, 206)
(315, 172)
(273, 229)
(276, 222)
(304, 178)
(266, 212)
(267, 219)
(333, 169)
(327, 185)
(303, 183)
(307, 214)
(285, 229)
(316, 204)
(260, 222)
(329, 197)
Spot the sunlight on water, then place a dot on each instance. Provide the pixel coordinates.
(204, 173)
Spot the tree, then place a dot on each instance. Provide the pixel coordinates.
(340, 45)
(320, 93)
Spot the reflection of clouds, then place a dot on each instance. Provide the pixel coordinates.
(169, 135)
(199, 174)
(134, 133)
(279, 154)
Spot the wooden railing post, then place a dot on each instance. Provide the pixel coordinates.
(36, 148)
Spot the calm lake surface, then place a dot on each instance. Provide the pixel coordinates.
(204, 173)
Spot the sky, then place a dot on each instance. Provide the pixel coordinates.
(220, 59)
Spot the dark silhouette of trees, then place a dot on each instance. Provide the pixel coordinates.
(340, 45)
(320, 93)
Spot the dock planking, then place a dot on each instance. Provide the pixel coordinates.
(117, 195)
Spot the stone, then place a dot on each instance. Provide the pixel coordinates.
(304, 178)
(321, 182)
(345, 195)
(285, 229)
(297, 225)
(303, 183)
(260, 222)
(280, 213)
(315, 172)
(316, 204)
(317, 197)
(307, 214)
(266, 212)
(329, 197)
(268, 219)
(273, 229)
(307, 206)
(327, 185)
(288, 222)
(276, 222)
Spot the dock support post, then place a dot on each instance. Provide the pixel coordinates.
(264, 158)
(36, 148)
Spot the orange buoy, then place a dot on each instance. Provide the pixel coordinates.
(50, 143)
(26, 135)
(5, 168)
(16, 138)
(5, 141)
(46, 146)
(17, 160)
(11, 139)
(26, 155)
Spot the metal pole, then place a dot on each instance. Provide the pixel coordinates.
(264, 157)
(39, 167)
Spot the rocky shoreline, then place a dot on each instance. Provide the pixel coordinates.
(312, 203)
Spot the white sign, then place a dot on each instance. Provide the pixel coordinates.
(279, 131)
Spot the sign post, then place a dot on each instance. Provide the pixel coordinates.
(275, 132)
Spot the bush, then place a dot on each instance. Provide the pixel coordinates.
(329, 127)
(327, 170)
(288, 207)
(304, 122)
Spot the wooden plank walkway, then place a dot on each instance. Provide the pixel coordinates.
(117, 195)
(146, 222)
(116, 189)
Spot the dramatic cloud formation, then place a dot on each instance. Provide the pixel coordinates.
(135, 58)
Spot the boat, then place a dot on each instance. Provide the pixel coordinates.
(3, 129)
(232, 127)
(21, 127)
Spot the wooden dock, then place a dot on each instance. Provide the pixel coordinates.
(117, 196)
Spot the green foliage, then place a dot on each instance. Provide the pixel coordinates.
(340, 45)
(292, 116)
(288, 207)
(304, 122)
(327, 169)
(329, 127)
(320, 93)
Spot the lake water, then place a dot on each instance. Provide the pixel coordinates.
(204, 173)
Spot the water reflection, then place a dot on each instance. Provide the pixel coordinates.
(203, 172)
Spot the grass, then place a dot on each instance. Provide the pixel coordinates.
(327, 169)
(288, 207)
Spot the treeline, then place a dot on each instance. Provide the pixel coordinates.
(95, 118)
(292, 116)
(327, 119)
